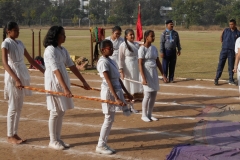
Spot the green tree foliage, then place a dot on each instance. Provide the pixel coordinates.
(121, 12)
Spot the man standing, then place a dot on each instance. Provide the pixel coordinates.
(169, 42)
(228, 39)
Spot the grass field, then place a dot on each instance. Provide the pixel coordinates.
(199, 59)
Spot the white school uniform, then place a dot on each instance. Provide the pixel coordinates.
(149, 56)
(16, 63)
(107, 64)
(128, 61)
(14, 95)
(116, 44)
(57, 58)
(237, 46)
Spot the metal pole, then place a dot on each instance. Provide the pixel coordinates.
(33, 44)
(39, 43)
(91, 46)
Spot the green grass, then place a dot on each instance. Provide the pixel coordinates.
(199, 59)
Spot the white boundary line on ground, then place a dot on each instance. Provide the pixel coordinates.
(92, 109)
(77, 124)
(70, 151)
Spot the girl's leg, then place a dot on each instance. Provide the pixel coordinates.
(53, 120)
(104, 133)
(151, 105)
(145, 103)
(17, 115)
(59, 129)
(13, 118)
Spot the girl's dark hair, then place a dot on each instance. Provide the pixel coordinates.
(102, 45)
(9, 26)
(51, 37)
(116, 28)
(146, 34)
(125, 39)
(105, 43)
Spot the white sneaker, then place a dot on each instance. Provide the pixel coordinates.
(154, 119)
(55, 145)
(146, 119)
(103, 150)
(65, 145)
(113, 150)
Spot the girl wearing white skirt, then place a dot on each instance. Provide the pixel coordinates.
(111, 89)
(237, 59)
(117, 41)
(148, 63)
(56, 57)
(16, 76)
(128, 63)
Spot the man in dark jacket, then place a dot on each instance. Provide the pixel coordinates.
(169, 49)
(228, 39)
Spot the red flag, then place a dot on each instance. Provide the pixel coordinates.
(139, 25)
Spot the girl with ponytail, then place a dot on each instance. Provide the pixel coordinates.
(148, 63)
(128, 63)
(16, 76)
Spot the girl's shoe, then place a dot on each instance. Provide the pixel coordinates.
(146, 119)
(103, 150)
(55, 145)
(65, 145)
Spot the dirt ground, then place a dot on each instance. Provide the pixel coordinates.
(177, 105)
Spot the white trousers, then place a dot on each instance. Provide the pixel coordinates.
(106, 128)
(55, 124)
(148, 103)
(14, 111)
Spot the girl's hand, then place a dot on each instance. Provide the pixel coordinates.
(18, 84)
(122, 75)
(67, 93)
(86, 86)
(144, 82)
(165, 79)
(235, 70)
(121, 103)
(130, 97)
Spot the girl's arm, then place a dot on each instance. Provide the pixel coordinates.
(159, 65)
(236, 61)
(62, 83)
(106, 76)
(8, 68)
(121, 58)
(140, 66)
(125, 90)
(79, 76)
(32, 61)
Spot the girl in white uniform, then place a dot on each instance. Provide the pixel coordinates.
(111, 89)
(56, 57)
(16, 76)
(148, 63)
(128, 63)
(237, 59)
(117, 41)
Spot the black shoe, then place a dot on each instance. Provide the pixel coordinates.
(216, 82)
(231, 83)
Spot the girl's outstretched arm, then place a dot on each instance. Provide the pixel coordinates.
(237, 58)
(32, 61)
(8, 68)
(79, 76)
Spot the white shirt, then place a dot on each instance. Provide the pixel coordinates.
(107, 64)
